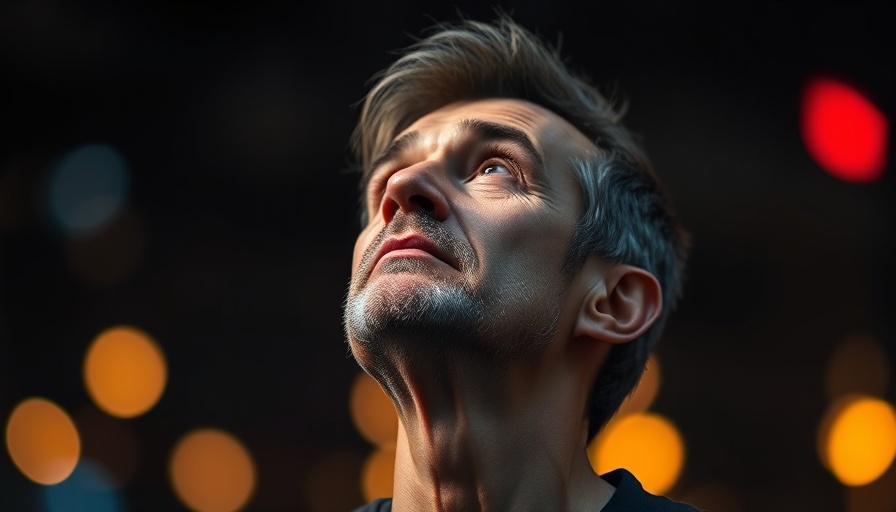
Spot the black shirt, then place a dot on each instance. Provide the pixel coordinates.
(629, 497)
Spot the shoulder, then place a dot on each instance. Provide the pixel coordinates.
(630, 496)
(379, 505)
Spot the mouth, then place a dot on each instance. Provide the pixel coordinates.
(413, 246)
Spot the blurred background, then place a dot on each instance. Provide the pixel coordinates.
(177, 219)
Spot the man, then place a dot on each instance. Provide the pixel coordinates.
(516, 265)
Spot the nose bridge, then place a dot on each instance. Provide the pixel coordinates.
(416, 188)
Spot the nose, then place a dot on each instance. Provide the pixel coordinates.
(415, 189)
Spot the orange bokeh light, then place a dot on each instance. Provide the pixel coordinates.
(42, 441)
(857, 365)
(646, 444)
(373, 412)
(378, 475)
(332, 482)
(125, 371)
(212, 471)
(843, 131)
(857, 439)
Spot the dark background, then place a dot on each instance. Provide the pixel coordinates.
(235, 244)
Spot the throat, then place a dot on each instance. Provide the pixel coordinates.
(488, 447)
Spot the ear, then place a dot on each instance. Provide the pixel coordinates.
(621, 306)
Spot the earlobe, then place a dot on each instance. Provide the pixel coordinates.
(620, 307)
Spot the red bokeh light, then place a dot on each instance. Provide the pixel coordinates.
(843, 131)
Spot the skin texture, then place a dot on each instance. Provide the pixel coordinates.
(488, 351)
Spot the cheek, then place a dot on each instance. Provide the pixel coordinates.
(356, 256)
(531, 231)
(361, 245)
(525, 243)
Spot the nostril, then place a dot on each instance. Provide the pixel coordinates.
(424, 203)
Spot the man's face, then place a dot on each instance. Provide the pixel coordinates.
(471, 211)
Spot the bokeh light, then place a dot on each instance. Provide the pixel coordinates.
(378, 475)
(646, 444)
(843, 131)
(42, 441)
(124, 371)
(858, 439)
(858, 365)
(88, 188)
(212, 471)
(372, 411)
(332, 483)
(88, 489)
(646, 390)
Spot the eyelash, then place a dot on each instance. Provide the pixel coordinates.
(504, 161)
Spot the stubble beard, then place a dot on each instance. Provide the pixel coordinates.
(438, 315)
(430, 312)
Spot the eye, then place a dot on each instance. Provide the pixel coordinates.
(499, 165)
(495, 168)
(501, 168)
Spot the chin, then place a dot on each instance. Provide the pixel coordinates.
(411, 309)
(409, 313)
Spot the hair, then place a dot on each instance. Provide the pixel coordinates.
(626, 217)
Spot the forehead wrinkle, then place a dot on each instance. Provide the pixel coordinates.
(469, 128)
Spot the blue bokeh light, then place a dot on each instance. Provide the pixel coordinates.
(88, 489)
(88, 188)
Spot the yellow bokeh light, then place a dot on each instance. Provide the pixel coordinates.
(645, 391)
(212, 471)
(124, 371)
(42, 441)
(378, 474)
(824, 430)
(646, 444)
(857, 365)
(373, 412)
(858, 439)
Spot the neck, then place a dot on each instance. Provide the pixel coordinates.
(487, 439)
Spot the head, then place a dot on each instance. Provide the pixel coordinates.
(615, 209)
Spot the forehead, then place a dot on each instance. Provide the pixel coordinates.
(552, 136)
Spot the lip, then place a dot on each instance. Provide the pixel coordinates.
(411, 246)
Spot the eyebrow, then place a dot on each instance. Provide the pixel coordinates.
(494, 131)
(477, 128)
(392, 150)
